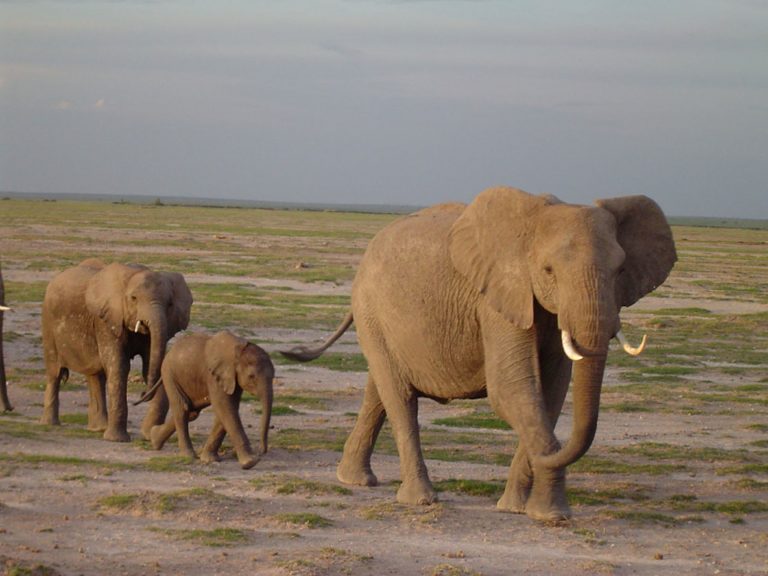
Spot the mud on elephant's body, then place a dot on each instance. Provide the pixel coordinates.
(5, 403)
(95, 319)
(498, 299)
(201, 371)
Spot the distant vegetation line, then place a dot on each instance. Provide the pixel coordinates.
(215, 202)
(705, 222)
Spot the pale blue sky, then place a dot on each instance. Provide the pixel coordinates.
(403, 102)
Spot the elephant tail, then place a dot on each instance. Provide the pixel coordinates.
(305, 354)
(149, 393)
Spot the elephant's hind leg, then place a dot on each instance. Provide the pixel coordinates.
(54, 375)
(401, 405)
(97, 402)
(355, 465)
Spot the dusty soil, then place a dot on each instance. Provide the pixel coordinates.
(52, 514)
(71, 503)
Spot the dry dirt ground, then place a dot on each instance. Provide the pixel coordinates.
(71, 503)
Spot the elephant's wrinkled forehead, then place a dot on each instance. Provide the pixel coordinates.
(146, 283)
(568, 228)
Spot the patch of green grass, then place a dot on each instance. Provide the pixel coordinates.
(169, 463)
(19, 568)
(661, 451)
(284, 411)
(308, 401)
(81, 419)
(216, 538)
(338, 361)
(24, 292)
(597, 465)
(293, 485)
(476, 420)
(643, 517)
(306, 519)
(310, 439)
(754, 468)
(470, 487)
(25, 458)
(169, 502)
(118, 501)
(626, 407)
(690, 503)
(602, 496)
(751, 484)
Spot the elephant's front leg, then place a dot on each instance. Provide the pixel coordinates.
(228, 411)
(117, 413)
(515, 392)
(97, 402)
(555, 371)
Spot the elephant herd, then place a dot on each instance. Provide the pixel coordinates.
(510, 297)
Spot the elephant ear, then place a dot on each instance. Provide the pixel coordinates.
(645, 236)
(104, 295)
(489, 245)
(181, 303)
(221, 355)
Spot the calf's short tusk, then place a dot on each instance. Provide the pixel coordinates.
(138, 323)
(4, 308)
(628, 348)
(569, 349)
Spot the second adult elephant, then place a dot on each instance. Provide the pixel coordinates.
(498, 298)
(95, 319)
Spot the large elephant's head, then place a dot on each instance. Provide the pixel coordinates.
(133, 298)
(581, 263)
(232, 362)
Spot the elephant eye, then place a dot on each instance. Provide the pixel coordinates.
(548, 269)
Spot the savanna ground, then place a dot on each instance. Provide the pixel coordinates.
(675, 483)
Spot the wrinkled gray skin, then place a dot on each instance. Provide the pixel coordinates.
(200, 371)
(467, 301)
(5, 403)
(95, 319)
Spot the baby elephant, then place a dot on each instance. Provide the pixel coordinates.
(202, 370)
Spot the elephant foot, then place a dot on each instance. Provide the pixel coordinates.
(249, 461)
(97, 426)
(156, 437)
(209, 457)
(50, 420)
(514, 500)
(356, 475)
(548, 501)
(113, 435)
(418, 491)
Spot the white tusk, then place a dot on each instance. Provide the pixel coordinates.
(569, 349)
(4, 308)
(628, 348)
(138, 323)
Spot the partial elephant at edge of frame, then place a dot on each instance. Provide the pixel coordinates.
(5, 403)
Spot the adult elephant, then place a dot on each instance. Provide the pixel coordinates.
(498, 298)
(5, 403)
(96, 318)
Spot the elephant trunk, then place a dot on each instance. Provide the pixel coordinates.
(587, 384)
(266, 414)
(158, 338)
